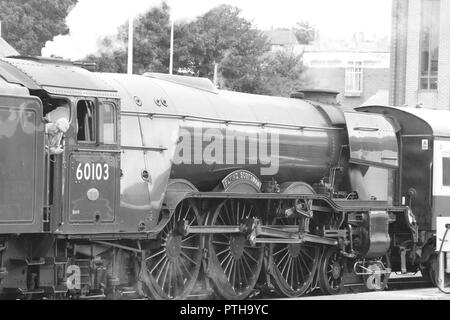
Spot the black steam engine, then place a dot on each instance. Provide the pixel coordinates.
(168, 188)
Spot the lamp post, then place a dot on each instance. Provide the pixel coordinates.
(130, 44)
(171, 43)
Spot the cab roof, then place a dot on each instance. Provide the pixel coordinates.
(54, 76)
(420, 121)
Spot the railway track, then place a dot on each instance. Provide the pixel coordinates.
(396, 282)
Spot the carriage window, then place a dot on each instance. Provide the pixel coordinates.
(446, 172)
(107, 123)
(86, 121)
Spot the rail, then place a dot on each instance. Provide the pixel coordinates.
(228, 122)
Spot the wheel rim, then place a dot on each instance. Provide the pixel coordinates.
(293, 266)
(331, 273)
(234, 264)
(173, 268)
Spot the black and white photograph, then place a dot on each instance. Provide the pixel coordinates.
(228, 155)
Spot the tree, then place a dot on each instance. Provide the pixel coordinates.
(217, 33)
(304, 32)
(283, 73)
(275, 74)
(219, 36)
(28, 24)
(151, 44)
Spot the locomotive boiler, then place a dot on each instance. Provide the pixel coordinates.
(170, 188)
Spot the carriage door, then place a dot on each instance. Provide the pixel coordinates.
(441, 180)
(94, 166)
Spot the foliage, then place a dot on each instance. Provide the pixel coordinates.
(283, 73)
(304, 32)
(277, 74)
(220, 36)
(28, 24)
(217, 33)
(151, 44)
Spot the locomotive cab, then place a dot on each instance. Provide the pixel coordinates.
(92, 164)
(82, 177)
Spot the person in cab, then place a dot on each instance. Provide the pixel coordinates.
(55, 128)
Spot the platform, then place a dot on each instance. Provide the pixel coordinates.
(408, 294)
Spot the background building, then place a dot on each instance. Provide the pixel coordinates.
(358, 76)
(283, 40)
(420, 53)
(357, 67)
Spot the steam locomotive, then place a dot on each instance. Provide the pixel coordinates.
(169, 188)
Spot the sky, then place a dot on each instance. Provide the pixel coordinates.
(91, 20)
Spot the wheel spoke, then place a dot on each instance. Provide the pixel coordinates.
(284, 248)
(305, 264)
(161, 270)
(227, 266)
(245, 263)
(187, 257)
(292, 266)
(223, 251)
(306, 254)
(225, 259)
(155, 255)
(180, 210)
(285, 265)
(250, 256)
(185, 268)
(156, 265)
(189, 248)
(189, 238)
(169, 285)
(227, 214)
(284, 257)
(249, 212)
(233, 273)
(221, 219)
(301, 269)
(221, 243)
(243, 210)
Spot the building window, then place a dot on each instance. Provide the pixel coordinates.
(354, 79)
(429, 44)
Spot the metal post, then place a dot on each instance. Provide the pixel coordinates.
(216, 76)
(130, 44)
(171, 46)
(0, 28)
(441, 280)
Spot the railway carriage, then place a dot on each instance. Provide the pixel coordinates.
(170, 188)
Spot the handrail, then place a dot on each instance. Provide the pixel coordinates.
(226, 122)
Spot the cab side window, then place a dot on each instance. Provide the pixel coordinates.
(107, 122)
(86, 121)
